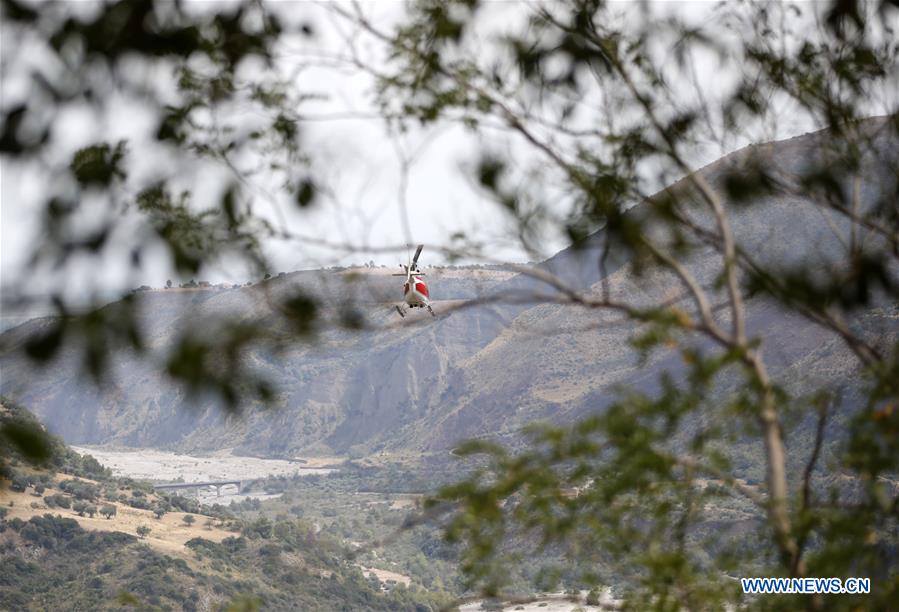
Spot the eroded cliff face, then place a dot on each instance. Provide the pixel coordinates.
(336, 389)
(421, 385)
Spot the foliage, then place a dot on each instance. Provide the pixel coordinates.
(640, 487)
(39, 447)
(181, 504)
(370, 506)
(79, 569)
(213, 58)
(600, 114)
(58, 501)
(80, 489)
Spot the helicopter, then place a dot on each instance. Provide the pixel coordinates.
(415, 290)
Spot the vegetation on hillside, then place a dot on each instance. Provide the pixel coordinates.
(639, 481)
(24, 439)
(595, 119)
(51, 562)
(276, 561)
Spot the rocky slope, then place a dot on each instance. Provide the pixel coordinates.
(485, 370)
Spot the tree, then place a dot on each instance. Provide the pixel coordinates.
(188, 519)
(108, 510)
(626, 480)
(80, 507)
(19, 483)
(60, 501)
(598, 111)
(143, 531)
(209, 76)
(90, 510)
(160, 509)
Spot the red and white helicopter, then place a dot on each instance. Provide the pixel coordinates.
(415, 290)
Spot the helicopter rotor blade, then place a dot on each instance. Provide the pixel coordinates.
(417, 253)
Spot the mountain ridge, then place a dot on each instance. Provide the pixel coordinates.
(481, 370)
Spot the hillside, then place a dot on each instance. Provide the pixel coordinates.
(420, 386)
(168, 534)
(75, 543)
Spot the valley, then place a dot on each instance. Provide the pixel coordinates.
(484, 370)
(159, 467)
(449, 306)
(78, 525)
(365, 419)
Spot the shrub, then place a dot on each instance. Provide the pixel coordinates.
(593, 597)
(141, 504)
(233, 544)
(183, 504)
(19, 483)
(57, 501)
(81, 490)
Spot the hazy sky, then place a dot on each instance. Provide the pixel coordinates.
(357, 156)
(354, 154)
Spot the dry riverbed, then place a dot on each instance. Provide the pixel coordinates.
(161, 466)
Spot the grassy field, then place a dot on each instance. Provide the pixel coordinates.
(168, 533)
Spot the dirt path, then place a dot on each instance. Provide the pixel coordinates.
(385, 575)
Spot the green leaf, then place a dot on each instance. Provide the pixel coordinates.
(306, 193)
(44, 346)
(99, 164)
(29, 439)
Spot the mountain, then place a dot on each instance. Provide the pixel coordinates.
(423, 384)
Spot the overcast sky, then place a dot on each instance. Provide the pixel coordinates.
(357, 156)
